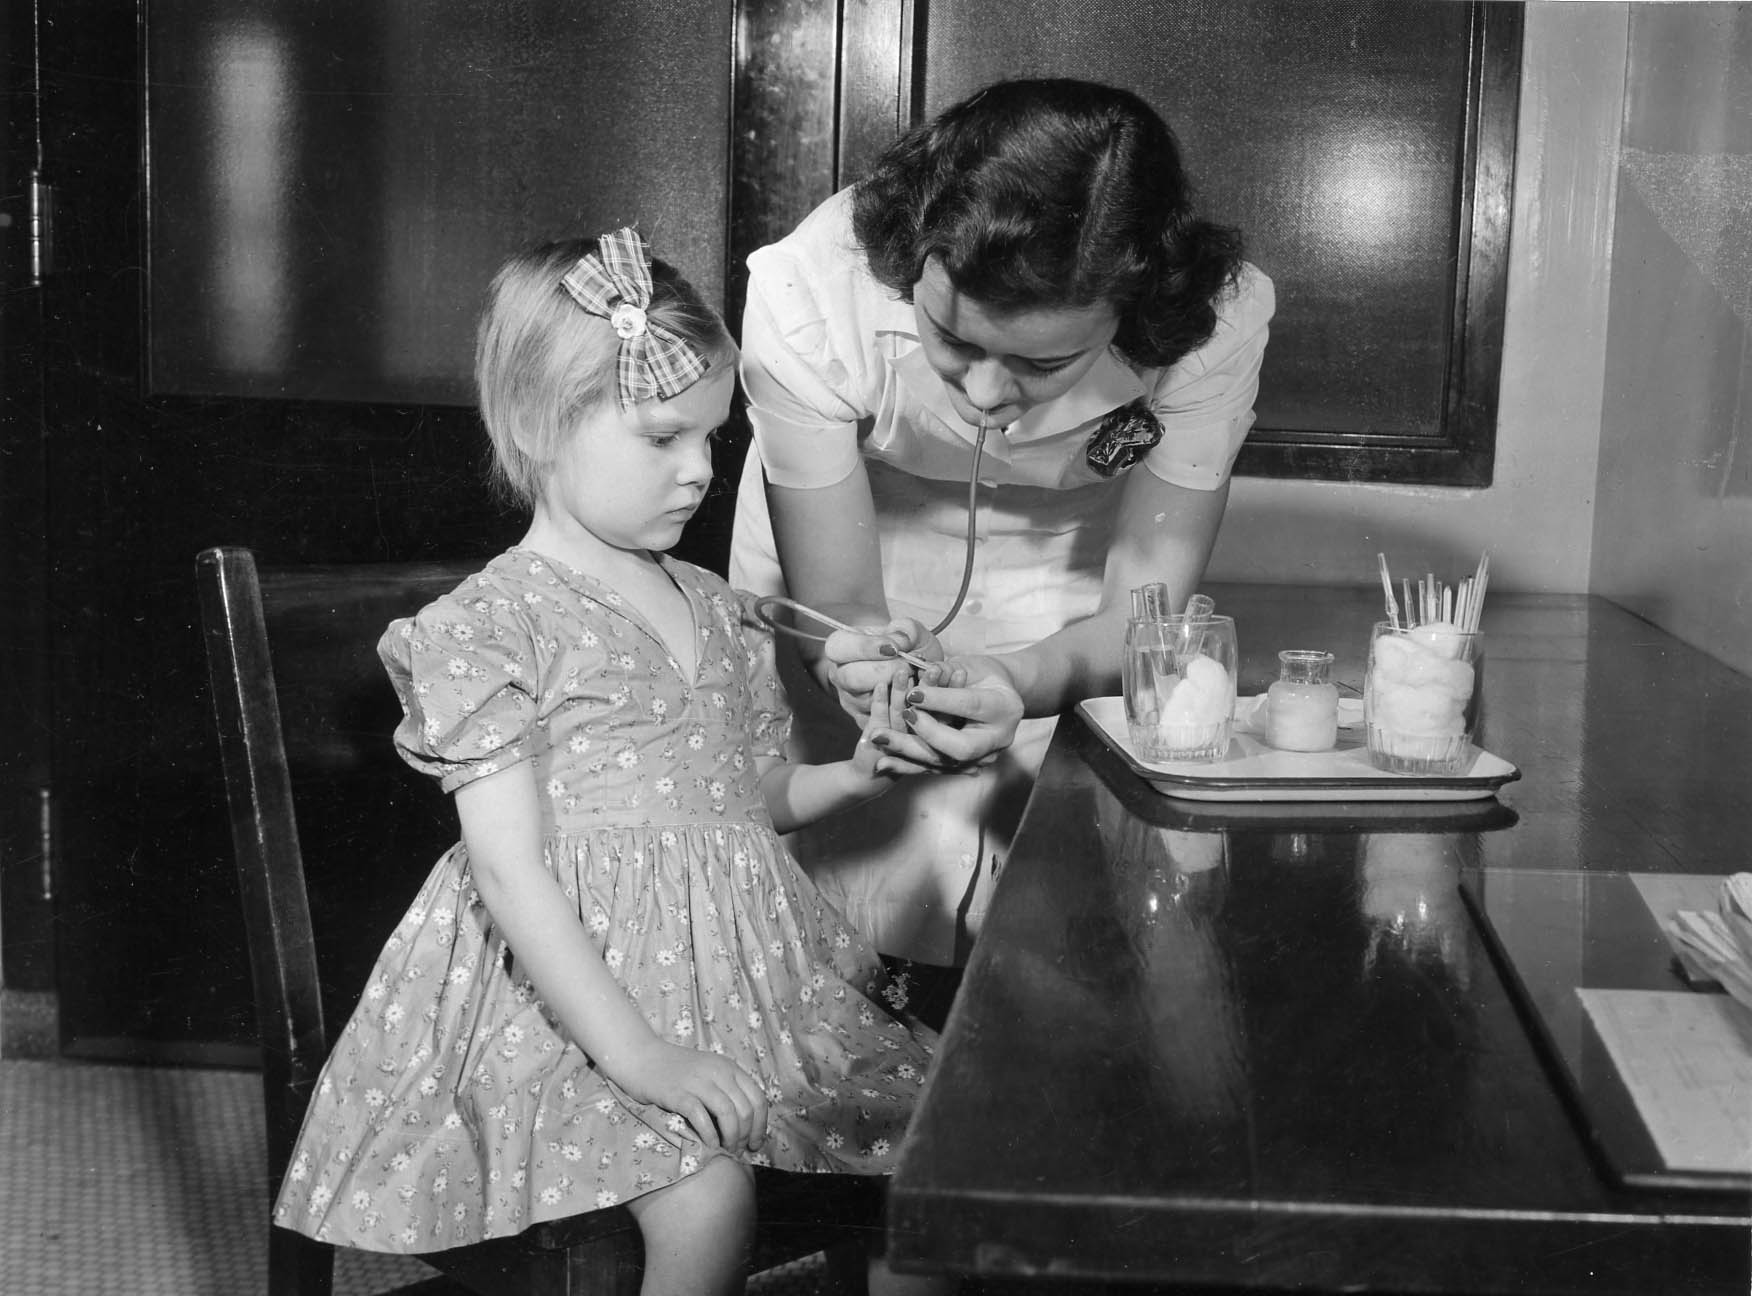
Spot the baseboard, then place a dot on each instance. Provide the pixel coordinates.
(30, 1024)
(168, 1053)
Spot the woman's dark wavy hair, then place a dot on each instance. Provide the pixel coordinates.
(1044, 193)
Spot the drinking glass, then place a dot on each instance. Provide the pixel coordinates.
(1421, 695)
(1178, 675)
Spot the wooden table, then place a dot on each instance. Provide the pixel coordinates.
(1269, 1047)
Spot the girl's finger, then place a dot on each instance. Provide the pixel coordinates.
(732, 1125)
(882, 701)
(757, 1117)
(696, 1114)
(898, 684)
(733, 1110)
(747, 1107)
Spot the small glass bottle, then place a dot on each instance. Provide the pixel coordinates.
(1302, 706)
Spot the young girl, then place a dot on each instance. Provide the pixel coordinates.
(618, 987)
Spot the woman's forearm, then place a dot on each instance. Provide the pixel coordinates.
(1162, 533)
(829, 550)
(1080, 661)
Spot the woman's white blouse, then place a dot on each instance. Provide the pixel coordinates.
(833, 368)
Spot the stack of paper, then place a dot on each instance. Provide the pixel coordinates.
(1721, 939)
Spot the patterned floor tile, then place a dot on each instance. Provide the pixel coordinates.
(140, 1181)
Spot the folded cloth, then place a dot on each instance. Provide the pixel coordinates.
(1721, 941)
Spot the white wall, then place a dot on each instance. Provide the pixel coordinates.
(1673, 522)
(1537, 517)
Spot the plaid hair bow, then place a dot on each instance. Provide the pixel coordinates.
(614, 282)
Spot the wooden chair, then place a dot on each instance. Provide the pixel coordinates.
(300, 699)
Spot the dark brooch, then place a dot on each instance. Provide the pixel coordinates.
(1125, 436)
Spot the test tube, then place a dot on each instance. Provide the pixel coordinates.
(1150, 600)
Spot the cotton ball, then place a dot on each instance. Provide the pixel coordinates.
(1410, 710)
(1395, 655)
(1457, 678)
(1441, 637)
(1402, 659)
(1207, 674)
(1201, 696)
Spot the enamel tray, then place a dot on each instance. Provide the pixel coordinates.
(1254, 771)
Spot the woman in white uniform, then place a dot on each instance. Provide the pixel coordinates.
(1028, 261)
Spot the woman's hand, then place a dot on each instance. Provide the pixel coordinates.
(967, 709)
(723, 1104)
(857, 662)
(961, 713)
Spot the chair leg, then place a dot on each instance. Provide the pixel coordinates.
(614, 1266)
(298, 1266)
(610, 1265)
(848, 1269)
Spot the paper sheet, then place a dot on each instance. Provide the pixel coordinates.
(1686, 1059)
(1666, 894)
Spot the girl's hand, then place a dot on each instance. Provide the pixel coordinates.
(887, 722)
(721, 1102)
(857, 662)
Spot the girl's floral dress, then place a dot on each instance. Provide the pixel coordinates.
(453, 1108)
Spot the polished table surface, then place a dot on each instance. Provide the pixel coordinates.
(1268, 1047)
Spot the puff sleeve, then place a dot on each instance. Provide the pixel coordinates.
(1205, 402)
(467, 680)
(806, 348)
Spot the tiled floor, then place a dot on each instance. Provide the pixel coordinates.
(133, 1181)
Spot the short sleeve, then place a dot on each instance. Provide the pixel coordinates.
(1205, 401)
(466, 675)
(800, 409)
(769, 710)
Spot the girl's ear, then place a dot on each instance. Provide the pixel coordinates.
(538, 442)
(528, 440)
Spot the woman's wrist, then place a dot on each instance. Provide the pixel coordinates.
(1012, 670)
(1048, 676)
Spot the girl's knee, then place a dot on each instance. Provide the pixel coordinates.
(716, 1197)
(697, 1232)
(723, 1184)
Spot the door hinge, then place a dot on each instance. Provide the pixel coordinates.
(46, 841)
(42, 228)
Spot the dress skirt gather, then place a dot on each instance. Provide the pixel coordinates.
(454, 1108)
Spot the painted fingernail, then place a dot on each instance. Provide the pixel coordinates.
(915, 697)
(888, 650)
(881, 740)
(910, 716)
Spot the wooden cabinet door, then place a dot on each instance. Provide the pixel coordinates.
(276, 222)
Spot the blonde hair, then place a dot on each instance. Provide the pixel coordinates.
(541, 359)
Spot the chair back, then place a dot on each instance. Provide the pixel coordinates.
(300, 697)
